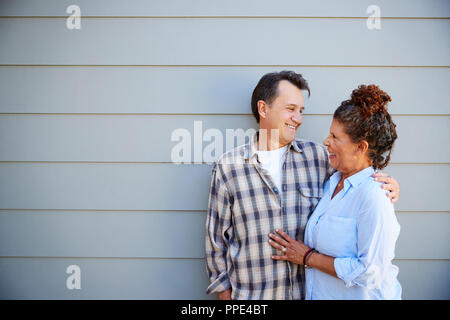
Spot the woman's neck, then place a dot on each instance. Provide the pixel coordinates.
(349, 173)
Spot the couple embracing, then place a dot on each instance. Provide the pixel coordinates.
(293, 219)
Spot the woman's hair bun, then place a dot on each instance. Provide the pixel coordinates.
(370, 100)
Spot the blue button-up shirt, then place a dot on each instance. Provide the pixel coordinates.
(359, 228)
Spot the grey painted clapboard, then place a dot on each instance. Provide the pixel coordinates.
(234, 41)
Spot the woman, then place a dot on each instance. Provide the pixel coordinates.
(350, 237)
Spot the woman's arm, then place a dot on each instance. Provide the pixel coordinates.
(322, 262)
(296, 250)
(378, 231)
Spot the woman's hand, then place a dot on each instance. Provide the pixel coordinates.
(295, 250)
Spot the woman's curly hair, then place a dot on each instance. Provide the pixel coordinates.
(365, 117)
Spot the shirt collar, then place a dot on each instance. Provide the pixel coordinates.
(358, 178)
(353, 181)
(253, 146)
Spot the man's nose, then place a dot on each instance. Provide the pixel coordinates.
(297, 118)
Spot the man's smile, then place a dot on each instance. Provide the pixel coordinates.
(292, 126)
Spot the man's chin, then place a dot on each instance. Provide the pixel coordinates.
(289, 137)
(287, 140)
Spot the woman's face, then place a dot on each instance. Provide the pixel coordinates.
(343, 153)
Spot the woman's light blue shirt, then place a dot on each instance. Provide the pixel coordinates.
(359, 228)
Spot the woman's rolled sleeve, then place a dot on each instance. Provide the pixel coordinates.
(353, 272)
(348, 269)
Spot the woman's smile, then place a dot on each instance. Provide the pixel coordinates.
(331, 156)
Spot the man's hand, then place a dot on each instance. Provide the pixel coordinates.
(389, 184)
(225, 295)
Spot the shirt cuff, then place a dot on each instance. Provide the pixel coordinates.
(348, 269)
(219, 285)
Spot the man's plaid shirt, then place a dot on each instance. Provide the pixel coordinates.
(245, 206)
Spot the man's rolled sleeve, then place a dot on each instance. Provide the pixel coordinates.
(220, 284)
(218, 232)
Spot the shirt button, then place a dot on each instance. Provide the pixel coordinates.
(275, 190)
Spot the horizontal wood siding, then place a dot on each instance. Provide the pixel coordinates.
(86, 118)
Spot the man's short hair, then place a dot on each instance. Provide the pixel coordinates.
(267, 87)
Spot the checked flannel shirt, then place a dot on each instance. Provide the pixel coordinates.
(245, 206)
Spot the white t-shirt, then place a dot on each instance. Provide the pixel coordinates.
(272, 161)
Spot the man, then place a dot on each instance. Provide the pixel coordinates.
(273, 182)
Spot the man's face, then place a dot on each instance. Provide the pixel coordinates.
(285, 112)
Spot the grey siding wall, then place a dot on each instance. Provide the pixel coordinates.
(86, 118)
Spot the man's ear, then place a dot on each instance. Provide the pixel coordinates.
(262, 108)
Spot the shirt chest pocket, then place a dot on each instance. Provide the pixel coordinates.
(309, 197)
(337, 236)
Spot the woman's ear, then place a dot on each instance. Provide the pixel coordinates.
(363, 146)
(262, 108)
